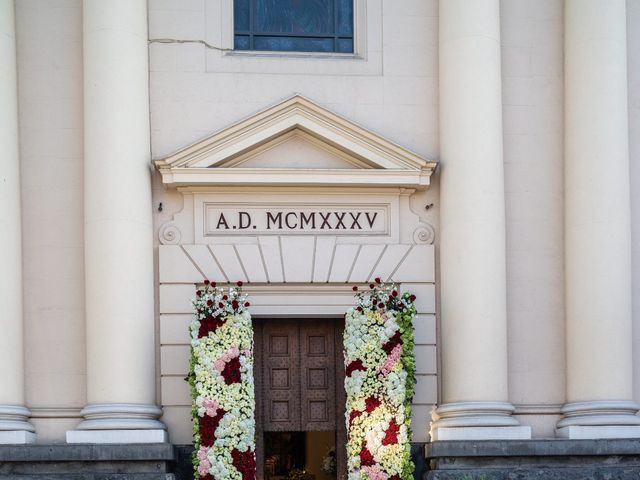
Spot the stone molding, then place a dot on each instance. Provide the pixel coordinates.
(474, 414)
(121, 416)
(600, 413)
(15, 417)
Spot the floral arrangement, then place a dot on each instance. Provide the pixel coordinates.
(221, 380)
(379, 382)
(329, 462)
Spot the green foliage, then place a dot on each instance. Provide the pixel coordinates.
(408, 359)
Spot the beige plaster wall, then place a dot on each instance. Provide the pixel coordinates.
(532, 97)
(633, 56)
(50, 112)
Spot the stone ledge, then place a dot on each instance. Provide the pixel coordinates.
(532, 448)
(87, 453)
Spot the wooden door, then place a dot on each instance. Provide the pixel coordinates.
(299, 380)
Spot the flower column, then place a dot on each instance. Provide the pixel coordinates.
(473, 255)
(118, 228)
(597, 224)
(14, 427)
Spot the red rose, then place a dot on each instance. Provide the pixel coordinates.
(210, 302)
(359, 309)
(353, 415)
(213, 284)
(353, 366)
(366, 458)
(247, 304)
(234, 304)
(206, 282)
(221, 305)
(371, 285)
(371, 404)
(198, 293)
(381, 305)
(231, 372)
(377, 279)
(412, 298)
(245, 463)
(208, 426)
(354, 288)
(209, 324)
(394, 293)
(395, 477)
(224, 297)
(239, 284)
(391, 435)
(393, 341)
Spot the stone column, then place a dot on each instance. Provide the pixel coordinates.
(121, 390)
(597, 224)
(14, 425)
(472, 253)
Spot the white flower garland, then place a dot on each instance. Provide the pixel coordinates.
(379, 381)
(222, 385)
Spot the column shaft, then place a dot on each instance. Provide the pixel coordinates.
(118, 224)
(597, 219)
(14, 426)
(472, 254)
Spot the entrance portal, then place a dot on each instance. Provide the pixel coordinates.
(300, 398)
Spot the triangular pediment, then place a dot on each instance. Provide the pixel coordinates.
(295, 142)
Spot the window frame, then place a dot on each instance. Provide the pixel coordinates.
(334, 35)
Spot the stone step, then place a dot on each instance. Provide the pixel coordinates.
(533, 473)
(91, 476)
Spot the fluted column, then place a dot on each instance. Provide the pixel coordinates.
(14, 425)
(472, 253)
(597, 224)
(118, 228)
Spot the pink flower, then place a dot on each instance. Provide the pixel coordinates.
(248, 352)
(374, 472)
(211, 407)
(234, 352)
(391, 360)
(202, 454)
(204, 467)
(219, 365)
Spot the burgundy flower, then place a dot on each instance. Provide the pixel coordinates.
(371, 404)
(208, 426)
(247, 304)
(221, 305)
(213, 284)
(393, 341)
(239, 284)
(359, 309)
(395, 477)
(209, 324)
(366, 458)
(354, 288)
(391, 435)
(394, 293)
(381, 305)
(353, 366)
(225, 297)
(353, 415)
(377, 280)
(210, 302)
(412, 298)
(245, 463)
(231, 372)
(208, 476)
(207, 282)
(234, 304)
(198, 293)
(371, 285)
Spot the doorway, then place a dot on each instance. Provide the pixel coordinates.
(300, 399)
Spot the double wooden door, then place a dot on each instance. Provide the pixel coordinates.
(299, 378)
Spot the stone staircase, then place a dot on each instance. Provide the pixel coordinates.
(88, 462)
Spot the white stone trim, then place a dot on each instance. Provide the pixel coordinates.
(117, 436)
(600, 413)
(121, 416)
(15, 417)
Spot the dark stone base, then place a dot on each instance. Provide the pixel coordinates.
(87, 462)
(556, 459)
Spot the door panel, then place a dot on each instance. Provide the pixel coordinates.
(318, 368)
(281, 371)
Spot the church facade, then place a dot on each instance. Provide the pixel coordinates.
(483, 155)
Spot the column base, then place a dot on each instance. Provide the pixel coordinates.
(599, 419)
(117, 436)
(17, 437)
(14, 425)
(477, 421)
(119, 423)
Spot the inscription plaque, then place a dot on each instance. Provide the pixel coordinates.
(238, 219)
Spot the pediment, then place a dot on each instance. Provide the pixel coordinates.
(295, 142)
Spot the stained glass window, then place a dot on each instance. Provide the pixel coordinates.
(293, 25)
